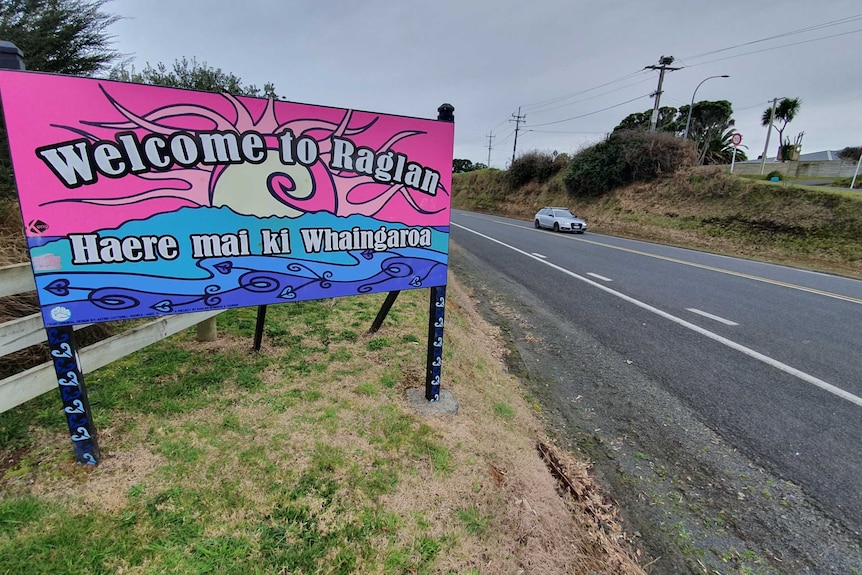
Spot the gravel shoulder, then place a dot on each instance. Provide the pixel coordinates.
(688, 497)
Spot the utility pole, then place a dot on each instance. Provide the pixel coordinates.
(517, 119)
(856, 173)
(490, 137)
(664, 65)
(768, 133)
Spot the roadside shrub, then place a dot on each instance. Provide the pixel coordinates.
(561, 161)
(595, 170)
(532, 167)
(850, 153)
(627, 157)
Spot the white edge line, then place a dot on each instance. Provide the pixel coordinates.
(713, 336)
(710, 316)
(539, 255)
(709, 267)
(598, 277)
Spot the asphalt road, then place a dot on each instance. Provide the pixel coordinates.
(767, 357)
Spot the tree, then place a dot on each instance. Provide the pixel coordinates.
(851, 153)
(626, 157)
(710, 120)
(667, 120)
(785, 111)
(58, 36)
(720, 149)
(460, 166)
(192, 75)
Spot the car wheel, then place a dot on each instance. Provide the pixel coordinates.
(537, 224)
(556, 227)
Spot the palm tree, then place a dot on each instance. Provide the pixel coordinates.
(785, 111)
(719, 149)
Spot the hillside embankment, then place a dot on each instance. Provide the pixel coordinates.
(699, 208)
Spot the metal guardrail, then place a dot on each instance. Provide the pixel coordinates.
(21, 333)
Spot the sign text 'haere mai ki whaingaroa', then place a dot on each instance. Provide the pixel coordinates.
(141, 200)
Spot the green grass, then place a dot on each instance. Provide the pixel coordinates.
(228, 492)
(474, 521)
(367, 389)
(504, 410)
(379, 343)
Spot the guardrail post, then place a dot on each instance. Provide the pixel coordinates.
(73, 392)
(207, 330)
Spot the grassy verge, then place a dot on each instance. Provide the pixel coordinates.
(704, 209)
(305, 458)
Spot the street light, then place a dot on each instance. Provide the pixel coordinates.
(691, 107)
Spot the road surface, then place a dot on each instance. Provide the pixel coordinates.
(739, 379)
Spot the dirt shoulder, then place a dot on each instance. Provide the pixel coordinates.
(693, 502)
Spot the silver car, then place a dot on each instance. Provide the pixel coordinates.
(560, 220)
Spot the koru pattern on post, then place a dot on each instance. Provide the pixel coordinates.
(439, 310)
(75, 405)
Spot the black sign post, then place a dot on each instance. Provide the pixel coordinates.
(76, 405)
(436, 310)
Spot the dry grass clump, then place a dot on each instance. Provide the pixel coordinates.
(12, 234)
(500, 479)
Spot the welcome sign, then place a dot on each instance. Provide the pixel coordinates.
(141, 200)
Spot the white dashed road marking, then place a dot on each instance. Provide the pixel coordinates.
(598, 277)
(790, 370)
(710, 316)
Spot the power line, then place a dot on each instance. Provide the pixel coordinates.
(551, 101)
(676, 100)
(777, 47)
(829, 24)
(752, 106)
(566, 132)
(536, 107)
(592, 97)
(590, 113)
(500, 124)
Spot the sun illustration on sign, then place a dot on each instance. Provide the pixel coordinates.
(268, 186)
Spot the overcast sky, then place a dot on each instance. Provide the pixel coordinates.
(556, 59)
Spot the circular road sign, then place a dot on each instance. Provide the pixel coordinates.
(736, 139)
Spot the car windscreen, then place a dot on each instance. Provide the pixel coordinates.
(563, 214)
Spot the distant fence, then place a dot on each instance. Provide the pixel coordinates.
(21, 333)
(822, 169)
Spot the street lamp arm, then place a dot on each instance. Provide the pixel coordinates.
(691, 106)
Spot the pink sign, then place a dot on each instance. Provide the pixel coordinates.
(142, 200)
